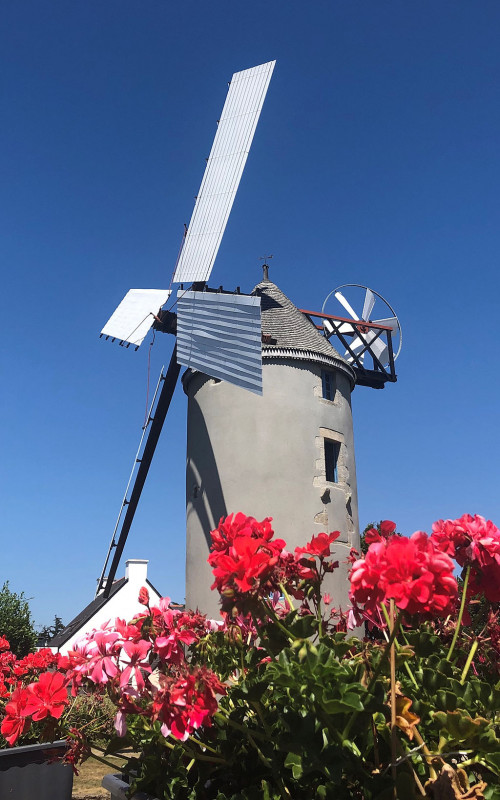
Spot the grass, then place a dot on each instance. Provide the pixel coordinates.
(87, 785)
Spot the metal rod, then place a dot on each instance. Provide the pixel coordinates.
(391, 356)
(355, 322)
(166, 394)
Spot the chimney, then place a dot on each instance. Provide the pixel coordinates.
(136, 571)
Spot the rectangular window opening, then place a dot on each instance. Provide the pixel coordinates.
(332, 451)
(328, 381)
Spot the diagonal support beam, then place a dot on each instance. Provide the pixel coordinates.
(166, 394)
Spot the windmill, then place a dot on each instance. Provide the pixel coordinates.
(262, 377)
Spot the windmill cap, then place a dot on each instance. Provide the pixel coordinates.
(288, 333)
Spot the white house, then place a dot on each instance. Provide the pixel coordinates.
(123, 602)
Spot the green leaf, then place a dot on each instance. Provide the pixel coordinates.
(446, 701)
(117, 744)
(493, 762)
(348, 702)
(461, 727)
(303, 627)
(294, 761)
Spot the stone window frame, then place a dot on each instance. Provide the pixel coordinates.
(328, 385)
(318, 387)
(342, 477)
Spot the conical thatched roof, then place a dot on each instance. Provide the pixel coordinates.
(287, 333)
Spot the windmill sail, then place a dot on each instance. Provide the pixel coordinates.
(135, 315)
(221, 335)
(223, 172)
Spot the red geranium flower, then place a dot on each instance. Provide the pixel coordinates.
(49, 696)
(244, 557)
(15, 721)
(384, 530)
(188, 702)
(239, 525)
(319, 545)
(143, 596)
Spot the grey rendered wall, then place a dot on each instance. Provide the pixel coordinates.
(265, 456)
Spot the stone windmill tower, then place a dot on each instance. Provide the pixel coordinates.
(288, 453)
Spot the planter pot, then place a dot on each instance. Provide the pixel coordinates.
(25, 773)
(118, 787)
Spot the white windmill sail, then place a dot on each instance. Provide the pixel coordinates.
(223, 172)
(135, 315)
(221, 335)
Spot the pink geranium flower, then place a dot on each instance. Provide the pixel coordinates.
(103, 648)
(411, 571)
(474, 542)
(134, 655)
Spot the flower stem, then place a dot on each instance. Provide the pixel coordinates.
(104, 760)
(202, 757)
(427, 753)
(469, 661)
(406, 665)
(203, 745)
(270, 610)
(392, 658)
(460, 614)
(286, 596)
(383, 658)
(236, 725)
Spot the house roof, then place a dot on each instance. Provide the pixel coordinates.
(88, 612)
(290, 334)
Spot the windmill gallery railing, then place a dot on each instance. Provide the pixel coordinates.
(382, 369)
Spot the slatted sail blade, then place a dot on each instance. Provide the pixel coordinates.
(220, 335)
(343, 300)
(223, 172)
(368, 305)
(135, 315)
(390, 322)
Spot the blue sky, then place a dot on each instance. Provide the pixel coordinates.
(376, 161)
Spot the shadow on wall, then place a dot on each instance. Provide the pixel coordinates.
(206, 502)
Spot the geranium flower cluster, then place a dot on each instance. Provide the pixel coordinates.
(249, 565)
(414, 572)
(28, 700)
(243, 558)
(382, 532)
(474, 542)
(141, 665)
(120, 658)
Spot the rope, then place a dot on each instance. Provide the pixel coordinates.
(148, 379)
